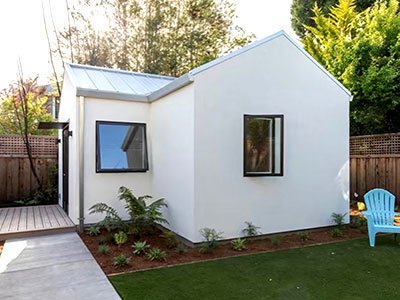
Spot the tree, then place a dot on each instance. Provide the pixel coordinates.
(167, 37)
(22, 107)
(362, 49)
(302, 12)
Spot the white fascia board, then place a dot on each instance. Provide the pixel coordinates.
(171, 87)
(302, 50)
(92, 93)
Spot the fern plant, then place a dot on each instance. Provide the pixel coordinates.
(250, 229)
(143, 216)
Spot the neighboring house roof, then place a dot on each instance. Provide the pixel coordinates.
(123, 85)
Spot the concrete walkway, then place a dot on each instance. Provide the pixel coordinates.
(57, 266)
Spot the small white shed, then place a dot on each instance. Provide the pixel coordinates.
(258, 135)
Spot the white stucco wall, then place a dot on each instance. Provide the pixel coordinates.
(103, 187)
(172, 139)
(69, 113)
(274, 78)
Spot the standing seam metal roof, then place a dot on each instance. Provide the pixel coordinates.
(123, 85)
(97, 82)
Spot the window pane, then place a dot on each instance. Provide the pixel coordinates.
(121, 146)
(262, 145)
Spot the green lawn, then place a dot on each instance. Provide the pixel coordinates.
(344, 270)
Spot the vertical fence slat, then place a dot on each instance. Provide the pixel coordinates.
(16, 179)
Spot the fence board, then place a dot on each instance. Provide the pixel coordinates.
(368, 172)
(16, 179)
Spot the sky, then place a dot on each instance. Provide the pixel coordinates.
(23, 34)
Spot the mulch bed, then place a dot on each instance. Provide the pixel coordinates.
(255, 245)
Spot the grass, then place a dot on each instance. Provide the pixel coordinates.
(344, 270)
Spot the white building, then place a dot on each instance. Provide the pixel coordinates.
(258, 135)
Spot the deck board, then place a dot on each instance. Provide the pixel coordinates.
(33, 220)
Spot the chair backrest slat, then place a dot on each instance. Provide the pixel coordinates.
(380, 203)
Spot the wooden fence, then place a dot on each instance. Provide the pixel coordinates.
(16, 179)
(375, 162)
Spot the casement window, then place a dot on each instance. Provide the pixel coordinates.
(121, 147)
(263, 145)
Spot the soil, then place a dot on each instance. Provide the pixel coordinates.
(254, 245)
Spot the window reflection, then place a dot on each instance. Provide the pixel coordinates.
(121, 147)
(263, 145)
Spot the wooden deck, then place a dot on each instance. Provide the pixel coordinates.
(33, 220)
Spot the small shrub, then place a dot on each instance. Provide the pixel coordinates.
(357, 222)
(276, 239)
(103, 249)
(304, 236)
(180, 248)
(120, 238)
(140, 247)
(121, 260)
(336, 232)
(250, 230)
(338, 219)
(156, 254)
(170, 239)
(106, 239)
(93, 231)
(211, 237)
(239, 244)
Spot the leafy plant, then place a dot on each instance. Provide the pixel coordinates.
(338, 219)
(337, 232)
(120, 238)
(156, 254)
(180, 248)
(121, 260)
(250, 230)
(140, 247)
(239, 244)
(106, 239)
(93, 231)
(103, 249)
(304, 236)
(276, 239)
(357, 222)
(211, 237)
(170, 239)
(143, 216)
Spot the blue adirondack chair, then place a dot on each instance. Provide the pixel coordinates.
(380, 213)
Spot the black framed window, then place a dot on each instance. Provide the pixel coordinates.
(121, 147)
(263, 145)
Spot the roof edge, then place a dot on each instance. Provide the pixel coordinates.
(118, 71)
(314, 61)
(171, 87)
(110, 95)
(235, 53)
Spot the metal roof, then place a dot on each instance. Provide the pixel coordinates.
(123, 85)
(114, 84)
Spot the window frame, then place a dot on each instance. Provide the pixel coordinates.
(128, 170)
(272, 174)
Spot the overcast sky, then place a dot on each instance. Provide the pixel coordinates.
(23, 36)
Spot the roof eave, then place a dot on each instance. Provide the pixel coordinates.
(110, 95)
(171, 87)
